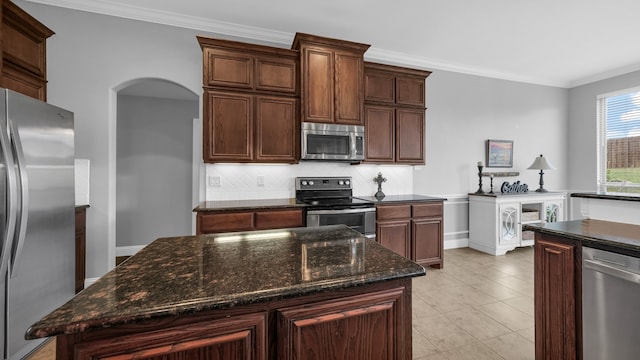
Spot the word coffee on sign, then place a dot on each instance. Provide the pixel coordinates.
(516, 187)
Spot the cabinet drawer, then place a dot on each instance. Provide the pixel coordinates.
(393, 212)
(223, 222)
(278, 219)
(427, 210)
(410, 91)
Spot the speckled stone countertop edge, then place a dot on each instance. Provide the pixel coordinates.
(613, 243)
(213, 303)
(606, 196)
(408, 198)
(238, 205)
(263, 204)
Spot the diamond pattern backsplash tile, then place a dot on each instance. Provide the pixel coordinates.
(241, 181)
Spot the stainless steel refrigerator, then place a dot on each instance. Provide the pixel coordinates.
(37, 215)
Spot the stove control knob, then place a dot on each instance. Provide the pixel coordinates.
(310, 183)
(303, 182)
(347, 182)
(340, 182)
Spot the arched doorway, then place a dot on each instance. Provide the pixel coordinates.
(154, 162)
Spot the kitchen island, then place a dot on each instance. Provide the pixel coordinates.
(299, 293)
(558, 281)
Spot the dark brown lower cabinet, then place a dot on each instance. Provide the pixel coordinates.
(210, 222)
(238, 338)
(558, 289)
(413, 230)
(81, 246)
(356, 328)
(371, 322)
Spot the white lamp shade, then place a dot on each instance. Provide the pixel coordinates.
(540, 163)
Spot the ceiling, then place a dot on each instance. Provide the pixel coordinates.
(563, 43)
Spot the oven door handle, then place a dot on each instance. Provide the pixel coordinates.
(342, 211)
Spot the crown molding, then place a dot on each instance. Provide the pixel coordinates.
(605, 75)
(401, 59)
(110, 8)
(105, 7)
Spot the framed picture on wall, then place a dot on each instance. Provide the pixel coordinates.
(500, 153)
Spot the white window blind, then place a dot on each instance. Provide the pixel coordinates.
(619, 142)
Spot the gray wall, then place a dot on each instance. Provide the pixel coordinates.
(154, 168)
(583, 128)
(463, 111)
(92, 56)
(88, 59)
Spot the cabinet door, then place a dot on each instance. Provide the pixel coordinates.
(410, 136)
(349, 93)
(395, 236)
(317, 85)
(380, 134)
(227, 68)
(363, 327)
(208, 223)
(277, 135)
(553, 211)
(410, 91)
(427, 241)
(236, 338)
(24, 82)
(227, 127)
(509, 226)
(379, 87)
(81, 247)
(276, 74)
(278, 219)
(555, 282)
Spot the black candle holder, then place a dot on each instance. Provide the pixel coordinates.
(480, 191)
(491, 177)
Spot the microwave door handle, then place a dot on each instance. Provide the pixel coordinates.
(24, 198)
(12, 199)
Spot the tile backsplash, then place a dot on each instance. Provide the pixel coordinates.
(241, 181)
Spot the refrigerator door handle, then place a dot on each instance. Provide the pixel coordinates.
(24, 198)
(12, 199)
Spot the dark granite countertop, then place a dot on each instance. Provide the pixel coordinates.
(183, 275)
(234, 205)
(528, 193)
(605, 195)
(605, 235)
(401, 198)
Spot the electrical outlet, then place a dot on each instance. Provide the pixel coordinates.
(214, 181)
(260, 180)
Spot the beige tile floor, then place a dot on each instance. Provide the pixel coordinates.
(478, 307)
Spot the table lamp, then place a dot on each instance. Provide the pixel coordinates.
(540, 163)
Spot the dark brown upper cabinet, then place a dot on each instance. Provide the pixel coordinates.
(394, 114)
(250, 104)
(23, 49)
(332, 79)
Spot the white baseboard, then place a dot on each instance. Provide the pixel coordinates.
(456, 243)
(89, 281)
(120, 251)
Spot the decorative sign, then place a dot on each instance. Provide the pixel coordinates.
(514, 188)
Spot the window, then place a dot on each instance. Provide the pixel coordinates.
(619, 141)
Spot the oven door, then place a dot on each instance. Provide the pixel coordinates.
(362, 220)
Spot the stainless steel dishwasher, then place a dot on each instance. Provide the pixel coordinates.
(610, 305)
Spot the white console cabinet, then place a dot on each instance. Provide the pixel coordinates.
(495, 220)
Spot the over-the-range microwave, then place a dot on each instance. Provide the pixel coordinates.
(332, 142)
